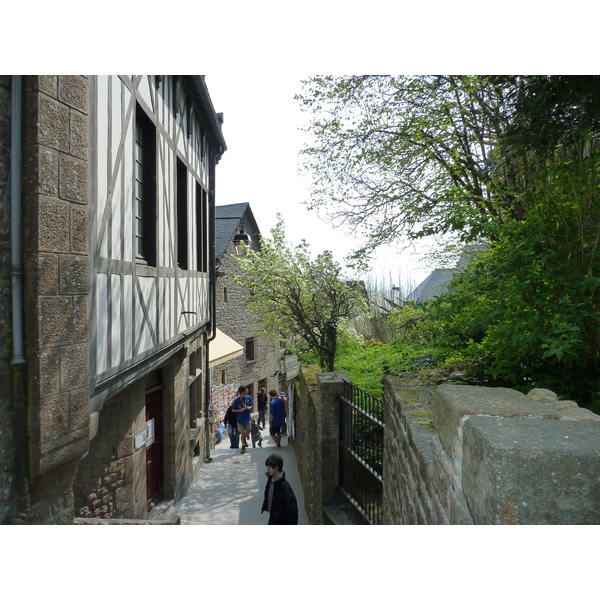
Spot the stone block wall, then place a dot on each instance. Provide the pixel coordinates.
(110, 481)
(55, 203)
(316, 439)
(181, 466)
(532, 471)
(472, 455)
(420, 485)
(307, 442)
(459, 455)
(55, 295)
(235, 321)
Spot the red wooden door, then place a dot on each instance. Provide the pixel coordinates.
(155, 484)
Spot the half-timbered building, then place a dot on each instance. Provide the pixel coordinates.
(110, 363)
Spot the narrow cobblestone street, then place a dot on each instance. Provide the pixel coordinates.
(229, 490)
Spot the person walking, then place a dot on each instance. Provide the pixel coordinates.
(256, 436)
(242, 406)
(276, 412)
(279, 501)
(261, 401)
(230, 421)
(284, 423)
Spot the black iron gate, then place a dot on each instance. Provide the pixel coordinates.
(361, 452)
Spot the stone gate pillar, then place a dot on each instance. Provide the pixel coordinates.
(330, 388)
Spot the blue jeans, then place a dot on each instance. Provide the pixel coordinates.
(261, 416)
(234, 436)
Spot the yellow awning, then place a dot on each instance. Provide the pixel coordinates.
(222, 349)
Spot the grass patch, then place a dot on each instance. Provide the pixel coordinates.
(367, 365)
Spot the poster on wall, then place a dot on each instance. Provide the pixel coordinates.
(220, 398)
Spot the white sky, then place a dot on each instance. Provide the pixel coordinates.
(261, 166)
(260, 70)
(255, 54)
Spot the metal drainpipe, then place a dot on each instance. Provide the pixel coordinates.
(18, 361)
(213, 302)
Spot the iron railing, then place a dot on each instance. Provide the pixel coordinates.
(361, 452)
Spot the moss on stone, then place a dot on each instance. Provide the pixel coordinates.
(423, 415)
(429, 425)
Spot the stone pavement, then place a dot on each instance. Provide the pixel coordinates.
(230, 489)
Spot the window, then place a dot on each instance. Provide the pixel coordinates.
(201, 229)
(182, 216)
(250, 350)
(225, 295)
(145, 189)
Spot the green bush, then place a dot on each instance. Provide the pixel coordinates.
(529, 310)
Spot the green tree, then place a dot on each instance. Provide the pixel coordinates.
(514, 160)
(411, 156)
(555, 111)
(295, 296)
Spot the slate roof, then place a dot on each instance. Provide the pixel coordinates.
(437, 282)
(434, 284)
(227, 222)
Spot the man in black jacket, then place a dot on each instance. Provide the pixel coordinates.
(230, 421)
(280, 501)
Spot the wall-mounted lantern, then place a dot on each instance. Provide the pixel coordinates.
(241, 242)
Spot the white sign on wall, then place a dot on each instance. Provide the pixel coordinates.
(149, 432)
(140, 440)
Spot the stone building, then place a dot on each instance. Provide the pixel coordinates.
(106, 292)
(260, 363)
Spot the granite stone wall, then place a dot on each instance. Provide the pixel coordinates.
(421, 482)
(54, 201)
(56, 287)
(235, 321)
(111, 478)
(316, 441)
(307, 442)
(458, 454)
